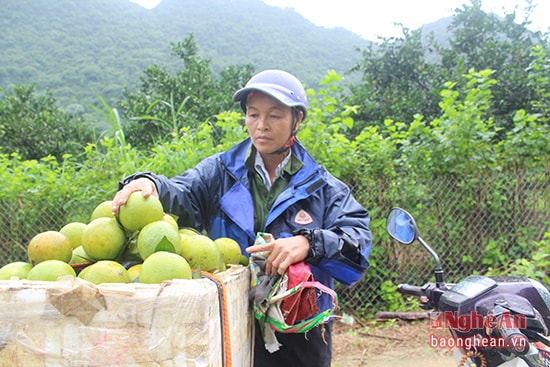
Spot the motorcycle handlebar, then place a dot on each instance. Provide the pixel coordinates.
(412, 290)
(516, 341)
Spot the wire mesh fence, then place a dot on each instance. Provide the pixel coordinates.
(471, 222)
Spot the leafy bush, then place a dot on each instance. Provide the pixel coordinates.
(33, 127)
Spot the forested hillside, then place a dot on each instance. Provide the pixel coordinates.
(88, 48)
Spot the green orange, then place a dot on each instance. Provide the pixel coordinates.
(103, 238)
(162, 266)
(49, 245)
(140, 211)
(51, 270)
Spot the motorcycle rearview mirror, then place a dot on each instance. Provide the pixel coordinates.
(402, 227)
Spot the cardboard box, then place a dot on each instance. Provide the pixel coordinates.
(72, 322)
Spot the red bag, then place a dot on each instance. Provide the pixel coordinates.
(303, 304)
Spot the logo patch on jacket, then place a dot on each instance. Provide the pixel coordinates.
(303, 217)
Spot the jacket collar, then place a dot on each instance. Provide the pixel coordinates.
(235, 157)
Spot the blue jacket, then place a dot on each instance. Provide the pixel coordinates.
(214, 196)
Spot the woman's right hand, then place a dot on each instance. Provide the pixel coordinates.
(146, 186)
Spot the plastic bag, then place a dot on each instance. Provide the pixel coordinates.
(291, 303)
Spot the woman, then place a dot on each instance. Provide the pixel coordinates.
(270, 183)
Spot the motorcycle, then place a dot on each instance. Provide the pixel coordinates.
(492, 321)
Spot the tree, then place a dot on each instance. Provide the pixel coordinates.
(164, 104)
(484, 41)
(34, 128)
(397, 82)
(402, 77)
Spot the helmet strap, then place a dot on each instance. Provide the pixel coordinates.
(285, 147)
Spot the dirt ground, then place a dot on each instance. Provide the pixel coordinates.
(388, 344)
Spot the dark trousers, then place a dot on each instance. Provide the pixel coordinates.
(311, 349)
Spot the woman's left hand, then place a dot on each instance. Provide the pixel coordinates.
(284, 252)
